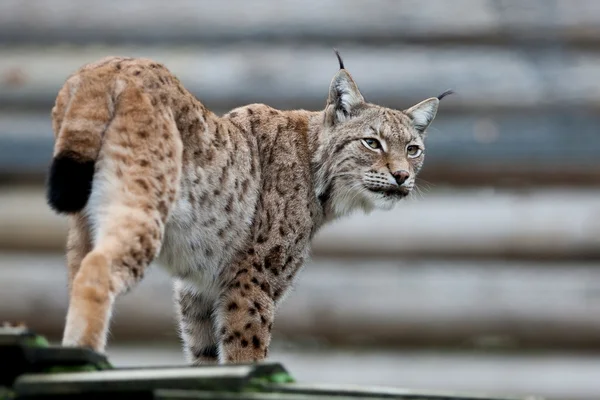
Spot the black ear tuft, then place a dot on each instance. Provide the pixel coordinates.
(446, 93)
(337, 53)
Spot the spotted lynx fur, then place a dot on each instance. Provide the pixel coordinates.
(227, 204)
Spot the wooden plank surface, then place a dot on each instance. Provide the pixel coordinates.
(381, 20)
(554, 376)
(395, 302)
(285, 76)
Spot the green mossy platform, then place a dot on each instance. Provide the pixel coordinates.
(31, 369)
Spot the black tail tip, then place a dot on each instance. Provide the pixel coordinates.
(69, 183)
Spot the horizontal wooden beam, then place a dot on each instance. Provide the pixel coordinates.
(500, 149)
(485, 79)
(444, 222)
(388, 302)
(341, 20)
(545, 375)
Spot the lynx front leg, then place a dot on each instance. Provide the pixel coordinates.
(197, 324)
(245, 318)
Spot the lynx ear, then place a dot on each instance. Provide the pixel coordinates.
(424, 112)
(344, 96)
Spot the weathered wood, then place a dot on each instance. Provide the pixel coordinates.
(488, 149)
(441, 222)
(26, 221)
(554, 375)
(483, 222)
(488, 79)
(364, 301)
(340, 20)
(143, 383)
(261, 381)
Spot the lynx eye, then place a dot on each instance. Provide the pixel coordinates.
(413, 151)
(372, 143)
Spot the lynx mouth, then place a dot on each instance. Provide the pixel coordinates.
(397, 192)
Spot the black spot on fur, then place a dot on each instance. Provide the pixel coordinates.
(207, 352)
(265, 287)
(256, 342)
(69, 182)
(326, 195)
(241, 271)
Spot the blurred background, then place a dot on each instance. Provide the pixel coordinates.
(486, 281)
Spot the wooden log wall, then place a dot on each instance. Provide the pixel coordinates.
(460, 304)
(526, 112)
(525, 72)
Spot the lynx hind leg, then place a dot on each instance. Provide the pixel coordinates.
(128, 238)
(79, 244)
(132, 193)
(245, 318)
(128, 241)
(196, 314)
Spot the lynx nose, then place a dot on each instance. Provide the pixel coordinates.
(401, 176)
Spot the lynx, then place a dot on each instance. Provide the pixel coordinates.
(227, 204)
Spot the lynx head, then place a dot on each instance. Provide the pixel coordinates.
(369, 156)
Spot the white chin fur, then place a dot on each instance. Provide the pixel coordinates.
(347, 201)
(382, 202)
